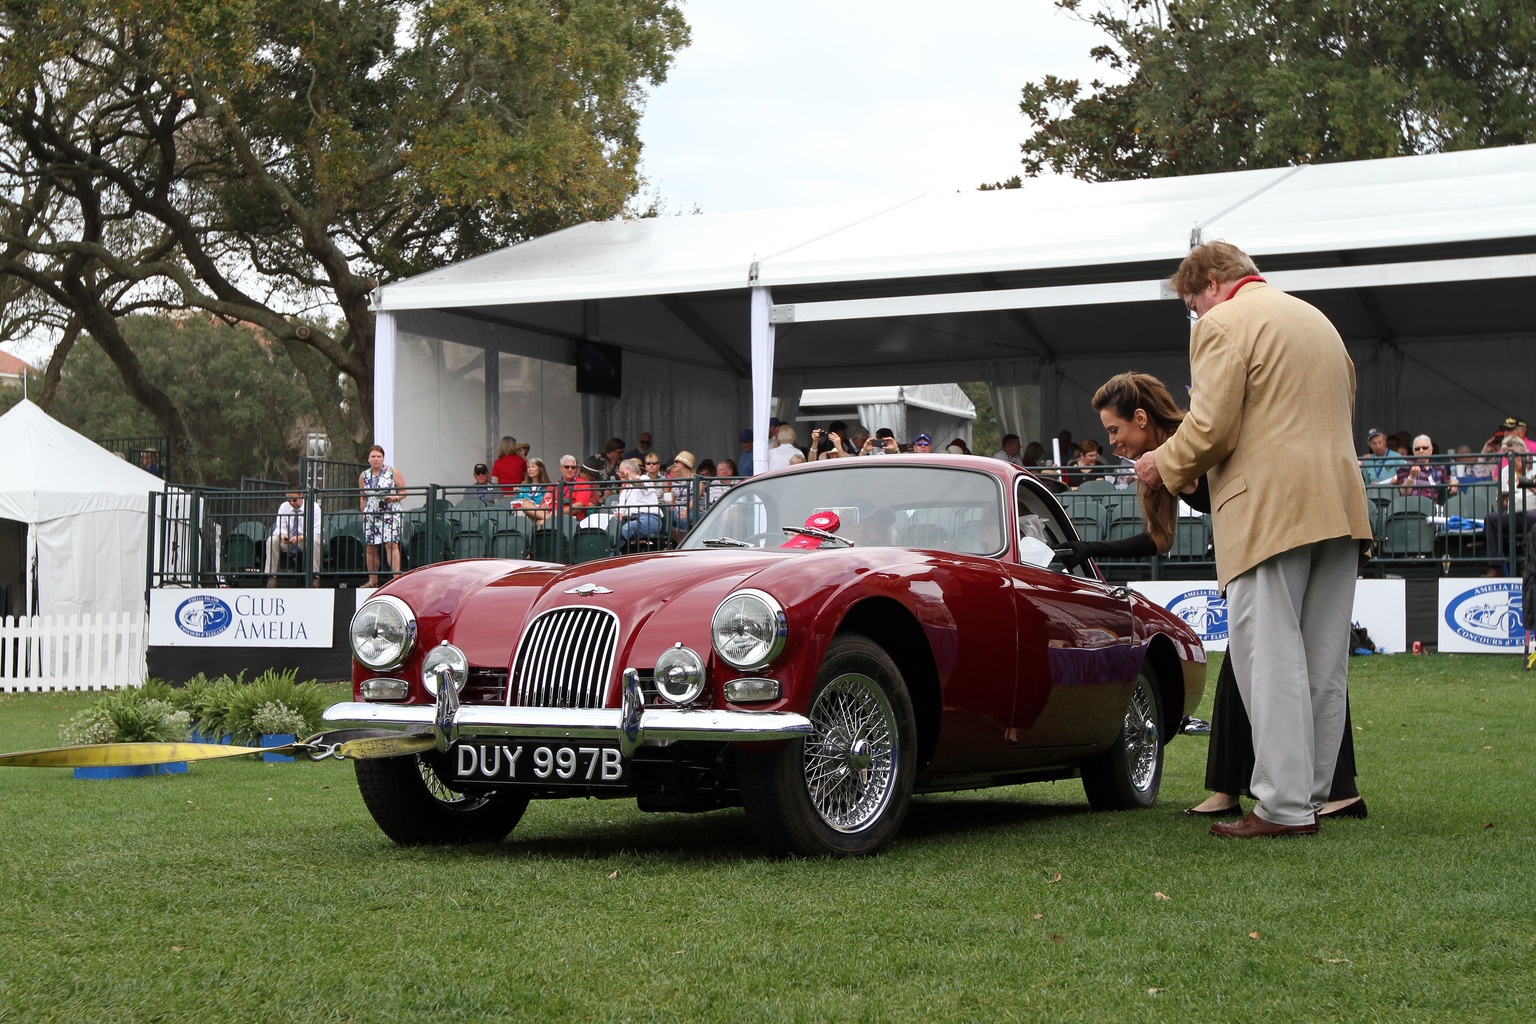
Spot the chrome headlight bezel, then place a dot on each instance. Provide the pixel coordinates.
(408, 628)
(445, 654)
(764, 613)
(682, 668)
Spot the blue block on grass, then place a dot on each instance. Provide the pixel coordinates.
(279, 739)
(130, 771)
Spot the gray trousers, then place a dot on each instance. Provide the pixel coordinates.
(1289, 619)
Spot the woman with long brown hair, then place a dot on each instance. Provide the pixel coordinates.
(1139, 414)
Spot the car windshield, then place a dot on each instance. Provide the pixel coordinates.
(874, 505)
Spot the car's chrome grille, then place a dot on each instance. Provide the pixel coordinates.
(565, 659)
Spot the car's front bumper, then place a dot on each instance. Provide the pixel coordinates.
(632, 725)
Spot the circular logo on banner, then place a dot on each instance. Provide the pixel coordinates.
(1489, 615)
(203, 616)
(1205, 612)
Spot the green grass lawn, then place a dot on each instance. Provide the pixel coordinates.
(243, 892)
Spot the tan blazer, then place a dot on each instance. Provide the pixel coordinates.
(1271, 418)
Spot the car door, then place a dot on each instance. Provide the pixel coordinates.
(1077, 652)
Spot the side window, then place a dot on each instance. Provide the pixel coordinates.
(1041, 518)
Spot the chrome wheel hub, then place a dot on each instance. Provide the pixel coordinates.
(850, 758)
(1141, 736)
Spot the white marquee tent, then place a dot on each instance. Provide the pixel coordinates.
(1427, 264)
(85, 510)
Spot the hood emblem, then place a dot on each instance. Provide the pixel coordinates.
(588, 589)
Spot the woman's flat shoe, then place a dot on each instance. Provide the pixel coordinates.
(1354, 810)
(1235, 811)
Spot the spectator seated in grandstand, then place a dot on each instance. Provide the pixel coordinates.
(679, 492)
(288, 538)
(922, 444)
(1085, 467)
(483, 489)
(727, 468)
(536, 496)
(510, 469)
(1009, 452)
(637, 511)
(613, 454)
(958, 447)
(1378, 465)
(1421, 477)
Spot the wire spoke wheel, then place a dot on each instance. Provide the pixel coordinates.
(443, 793)
(850, 758)
(843, 790)
(1140, 739)
(1128, 775)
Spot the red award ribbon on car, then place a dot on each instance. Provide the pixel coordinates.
(824, 520)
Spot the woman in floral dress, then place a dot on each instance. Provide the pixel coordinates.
(383, 488)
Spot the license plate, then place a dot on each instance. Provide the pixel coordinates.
(539, 763)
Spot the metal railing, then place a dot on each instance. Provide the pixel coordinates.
(212, 537)
(151, 453)
(1451, 519)
(220, 537)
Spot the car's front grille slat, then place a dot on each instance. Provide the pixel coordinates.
(564, 659)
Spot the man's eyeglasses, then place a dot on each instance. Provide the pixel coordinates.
(653, 462)
(1422, 448)
(571, 468)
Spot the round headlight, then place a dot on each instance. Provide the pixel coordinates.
(444, 655)
(382, 632)
(748, 629)
(679, 675)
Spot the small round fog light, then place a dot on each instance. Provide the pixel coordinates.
(444, 656)
(679, 675)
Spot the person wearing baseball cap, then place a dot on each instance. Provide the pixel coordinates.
(922, 444)
(1379, 465)
(1515, 426)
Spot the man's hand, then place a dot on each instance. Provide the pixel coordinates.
(1146, 470)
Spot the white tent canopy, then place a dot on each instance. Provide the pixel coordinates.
(1042, 291)
(85, 510)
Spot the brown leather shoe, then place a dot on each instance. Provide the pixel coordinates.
(1253, 826)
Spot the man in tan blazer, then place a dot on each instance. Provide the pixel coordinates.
(1288, 519)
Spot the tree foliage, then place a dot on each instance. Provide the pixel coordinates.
(1221, 85)
(246, 403)
(267, 159)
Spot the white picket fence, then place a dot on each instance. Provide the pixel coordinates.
(70, 652)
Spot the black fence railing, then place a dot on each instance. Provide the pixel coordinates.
(1455, 519)
(151, 453)
(218, 537)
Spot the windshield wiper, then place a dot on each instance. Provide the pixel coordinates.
(726, 542)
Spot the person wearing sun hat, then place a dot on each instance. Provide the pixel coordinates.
(1379, 464)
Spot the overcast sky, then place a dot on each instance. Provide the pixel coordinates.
(801, 102)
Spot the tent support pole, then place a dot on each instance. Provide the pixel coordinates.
(762, 376)
(384, 380)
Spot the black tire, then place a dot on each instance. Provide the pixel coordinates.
(864, 752)
(414, 807)
(1126, 777)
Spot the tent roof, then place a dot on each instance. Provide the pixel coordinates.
(49, 471)
(1414, 202)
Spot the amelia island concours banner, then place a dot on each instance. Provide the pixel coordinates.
(1380, 606)
(1481, 616)
(241, 618)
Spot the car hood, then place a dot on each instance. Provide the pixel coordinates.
(673, 592)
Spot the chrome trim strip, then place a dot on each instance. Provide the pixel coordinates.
(582, 723)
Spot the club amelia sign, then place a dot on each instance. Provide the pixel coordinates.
(240, 618)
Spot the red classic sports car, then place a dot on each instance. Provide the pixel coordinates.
(829, 640)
